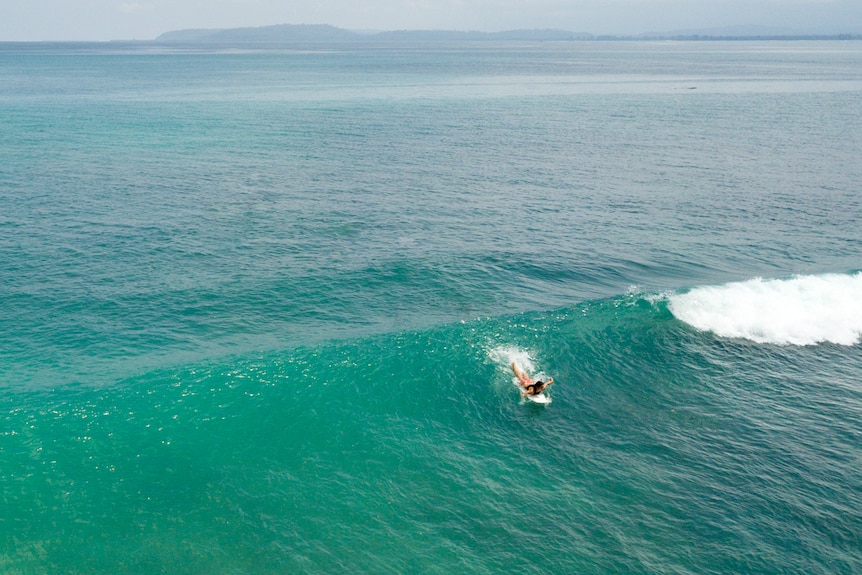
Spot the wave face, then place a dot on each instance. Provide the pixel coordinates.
(412, 452)
(804, 310)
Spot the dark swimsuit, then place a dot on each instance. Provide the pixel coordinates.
(537, 389)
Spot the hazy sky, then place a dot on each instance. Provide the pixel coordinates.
(146, 19)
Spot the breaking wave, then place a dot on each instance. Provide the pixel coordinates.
(803, 310)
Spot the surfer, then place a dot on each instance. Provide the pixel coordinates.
(528, 386)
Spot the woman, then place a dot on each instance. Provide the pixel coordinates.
(528, 386)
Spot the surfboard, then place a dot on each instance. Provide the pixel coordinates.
(541, 398)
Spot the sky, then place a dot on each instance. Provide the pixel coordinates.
(102, 20)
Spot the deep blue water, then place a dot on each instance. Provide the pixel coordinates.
(258, 308)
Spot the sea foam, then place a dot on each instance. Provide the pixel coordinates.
(803, 310)
(503, 356)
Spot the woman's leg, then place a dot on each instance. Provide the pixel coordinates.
(519, 373)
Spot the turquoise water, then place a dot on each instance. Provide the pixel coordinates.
(258, 308)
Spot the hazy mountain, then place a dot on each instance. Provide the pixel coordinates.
(325, 33)
(265, 34)
(289, 33)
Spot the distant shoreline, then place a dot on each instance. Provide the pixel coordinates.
(284, 35)
(288, 33)
(275, 44)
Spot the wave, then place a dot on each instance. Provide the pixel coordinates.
(802, 310)
(424, 432)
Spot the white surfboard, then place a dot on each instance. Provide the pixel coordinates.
(541, 398)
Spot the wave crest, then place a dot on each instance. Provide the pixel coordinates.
(803, 310)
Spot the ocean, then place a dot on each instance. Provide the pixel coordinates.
(258, 308)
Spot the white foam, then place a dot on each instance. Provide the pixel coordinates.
(505, 355)
(804, 310)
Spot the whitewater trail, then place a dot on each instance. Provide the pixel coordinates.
(803, 310)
